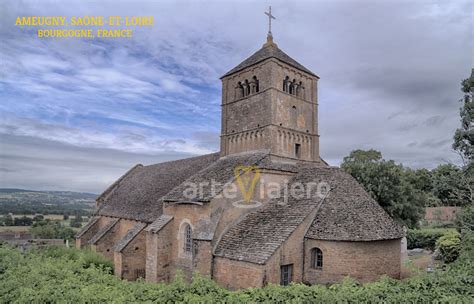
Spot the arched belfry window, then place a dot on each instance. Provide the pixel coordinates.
(316, 258)
(188, 238)
(245, 88)
(254, 85)
(286, 83)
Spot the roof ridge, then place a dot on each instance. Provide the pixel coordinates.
(268, 51)
(182, 159)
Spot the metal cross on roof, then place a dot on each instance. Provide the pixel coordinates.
(270, 17)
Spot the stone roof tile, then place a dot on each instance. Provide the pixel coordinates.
(138, 195)
(159, 223)
(269, 50)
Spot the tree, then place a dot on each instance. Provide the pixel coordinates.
(451, 185)
(38, 217)
(388, 184)
(51, 230)
(9, 220)
(23, 221)
(464, 136)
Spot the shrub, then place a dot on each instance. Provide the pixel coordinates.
(58, 275)
(424, 238)
(51, 230)
(449, 246)
(465, 219)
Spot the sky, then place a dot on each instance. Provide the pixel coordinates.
(75, 114)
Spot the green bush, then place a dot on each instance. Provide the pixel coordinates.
(424, 238)
(60, 275)
(449, 246)
(465, 219)
(51, 230)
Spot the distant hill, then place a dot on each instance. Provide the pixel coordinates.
(22, 201)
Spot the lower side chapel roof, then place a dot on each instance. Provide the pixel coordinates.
(346, 213)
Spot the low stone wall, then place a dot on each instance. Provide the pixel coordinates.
(441, 214)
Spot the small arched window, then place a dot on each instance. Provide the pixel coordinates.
(285, 84)
(255, 82)
(316, 258)
(188, 238)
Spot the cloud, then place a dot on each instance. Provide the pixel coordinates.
(390, 74)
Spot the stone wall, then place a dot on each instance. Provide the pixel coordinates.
(89, 234)
(290, 252)
(363, 261)
(236, 274)
(106, 244)
(271, 118)
(159, 254)
(133, 258)
(441, 214)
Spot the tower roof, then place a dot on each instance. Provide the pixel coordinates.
(268, 50)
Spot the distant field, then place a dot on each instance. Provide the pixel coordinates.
(53, 217)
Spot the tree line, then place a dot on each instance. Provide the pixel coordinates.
(404, 192)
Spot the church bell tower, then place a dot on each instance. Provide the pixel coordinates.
(269, 102)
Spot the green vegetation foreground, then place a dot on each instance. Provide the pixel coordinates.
(73, 276)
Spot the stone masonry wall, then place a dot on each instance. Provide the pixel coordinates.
(82, 241)
(134, 258)
(236, 274)
(363, 261)
(159, 254)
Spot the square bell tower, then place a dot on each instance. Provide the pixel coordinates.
(269, 102)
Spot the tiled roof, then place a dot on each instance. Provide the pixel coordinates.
(351, 214)
(222, 171)
(262, 232)
(131, 234)
(159, 223)
(137, 195)
(269, 50)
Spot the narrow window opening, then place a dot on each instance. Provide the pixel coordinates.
(188, 241)
(285, 84)
(316, 258)
(256, 87)
(286, 274)
(298, 150)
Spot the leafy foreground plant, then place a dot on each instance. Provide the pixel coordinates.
(74, 276)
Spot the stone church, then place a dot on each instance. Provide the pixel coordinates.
(149, 225)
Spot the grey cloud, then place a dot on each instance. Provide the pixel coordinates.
(390, 74)
(33, 163)
(434, 120)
